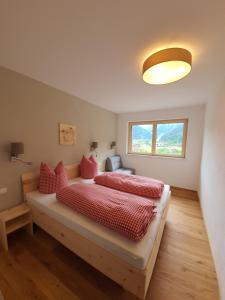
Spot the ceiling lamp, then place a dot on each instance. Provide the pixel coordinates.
(167, 66)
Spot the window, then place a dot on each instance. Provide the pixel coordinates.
(142, 138)
(161, 138)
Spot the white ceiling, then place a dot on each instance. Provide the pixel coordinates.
(95, 49)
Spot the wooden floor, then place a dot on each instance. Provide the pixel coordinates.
(40, 268)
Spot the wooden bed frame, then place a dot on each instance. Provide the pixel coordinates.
(130, 278)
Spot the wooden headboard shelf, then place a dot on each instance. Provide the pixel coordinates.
(30, 180)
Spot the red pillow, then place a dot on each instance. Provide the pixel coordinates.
(52, 181)
(88, 167)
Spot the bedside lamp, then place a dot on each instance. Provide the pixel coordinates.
(16, 150)
(113, 145)
(94, 146)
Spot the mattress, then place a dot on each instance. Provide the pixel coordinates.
(134, 253)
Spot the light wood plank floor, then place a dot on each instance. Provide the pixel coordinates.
(40, 268)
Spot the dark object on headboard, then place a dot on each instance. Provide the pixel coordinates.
(114, 164)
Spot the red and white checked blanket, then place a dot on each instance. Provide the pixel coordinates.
(125, 213)
(138, 185)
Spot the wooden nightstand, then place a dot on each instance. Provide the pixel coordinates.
(13, 219)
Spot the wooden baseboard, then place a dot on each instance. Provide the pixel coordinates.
(184, 193)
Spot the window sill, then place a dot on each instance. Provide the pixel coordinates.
(155, 155)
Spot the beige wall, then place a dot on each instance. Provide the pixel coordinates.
(174, 171)
(212, 184)
(30, 112)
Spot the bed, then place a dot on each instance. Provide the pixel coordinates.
(128, 263)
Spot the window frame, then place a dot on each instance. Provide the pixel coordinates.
(154, 132)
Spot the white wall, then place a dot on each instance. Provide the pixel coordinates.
(212, 183)
(174, 171)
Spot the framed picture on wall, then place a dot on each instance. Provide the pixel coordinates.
(67, 134)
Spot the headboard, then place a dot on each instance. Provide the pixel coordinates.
(30, 179)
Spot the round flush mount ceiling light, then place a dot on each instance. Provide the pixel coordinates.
(167, 66)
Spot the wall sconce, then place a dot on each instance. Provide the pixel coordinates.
(16, 150)
(113, 145)
(94, 146)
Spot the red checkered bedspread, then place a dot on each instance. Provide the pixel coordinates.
(138, 185)
(125, 213)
